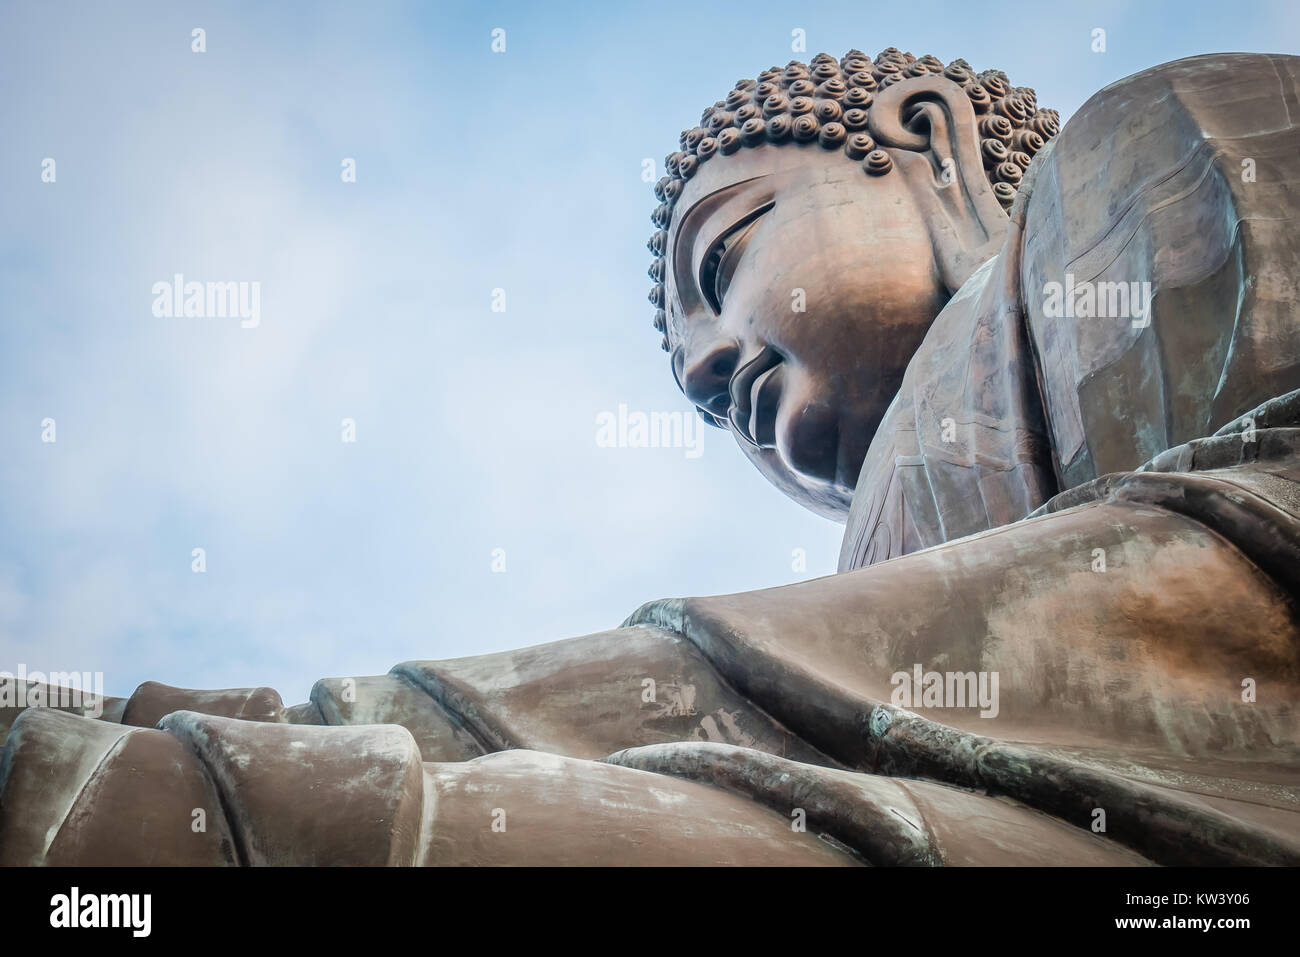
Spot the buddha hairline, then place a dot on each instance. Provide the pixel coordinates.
(827, 101)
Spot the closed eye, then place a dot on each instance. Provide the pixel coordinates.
(720, 264)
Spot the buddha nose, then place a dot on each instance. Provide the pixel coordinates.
(706, 378)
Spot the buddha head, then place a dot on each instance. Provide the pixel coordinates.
(809, 231)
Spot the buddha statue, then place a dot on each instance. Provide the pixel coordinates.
(1049, 379)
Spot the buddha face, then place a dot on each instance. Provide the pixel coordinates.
(797, 289)
(798, 267)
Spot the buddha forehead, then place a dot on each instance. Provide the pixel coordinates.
(770, 130)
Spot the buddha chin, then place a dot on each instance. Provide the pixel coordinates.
(810, 444)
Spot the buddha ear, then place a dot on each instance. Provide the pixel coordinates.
(930, 127)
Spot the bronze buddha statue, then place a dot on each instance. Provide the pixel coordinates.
(1048, 377)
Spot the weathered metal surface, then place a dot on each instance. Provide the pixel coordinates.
(1096, 519)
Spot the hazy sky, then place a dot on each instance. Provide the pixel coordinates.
(475, 429)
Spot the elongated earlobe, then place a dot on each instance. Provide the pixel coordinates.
(930, 126)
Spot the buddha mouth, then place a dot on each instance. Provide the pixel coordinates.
(755, 390)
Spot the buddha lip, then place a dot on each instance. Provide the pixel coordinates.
(741, 389)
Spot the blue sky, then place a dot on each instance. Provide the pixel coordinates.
(475, 429)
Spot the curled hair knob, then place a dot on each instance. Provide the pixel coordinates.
(877, 163)
(859, 145)
(827, 111)
(832, 135)
(776, 103)
(804, 128)
(753, 131)
(1008, 172)
(1026, 141)
(993, 152)
(779, 128)
(996, 127)
(833, 88)
(858, 97)
(979, 97)
(855, 119)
